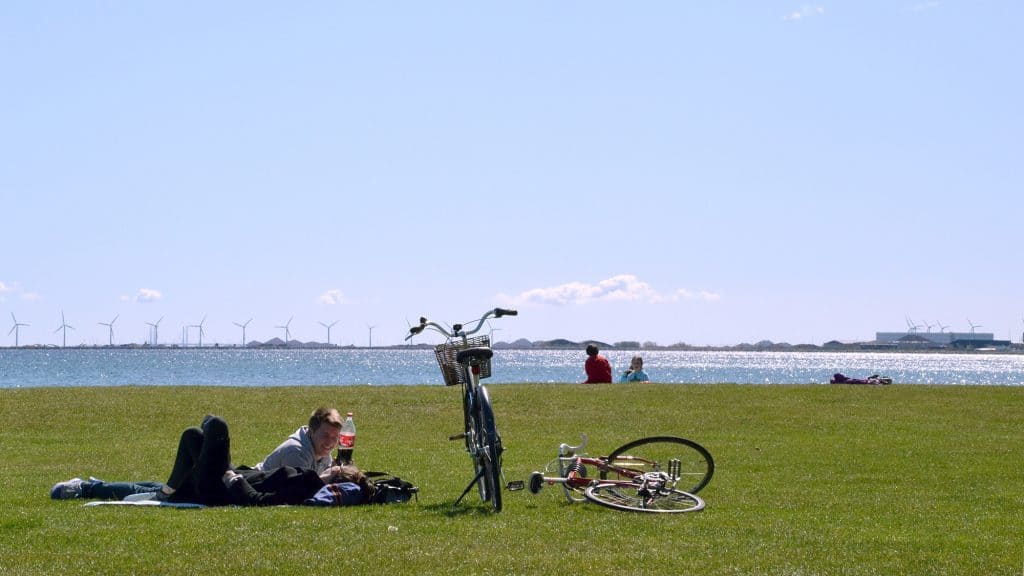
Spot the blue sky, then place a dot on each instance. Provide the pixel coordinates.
(700, 172)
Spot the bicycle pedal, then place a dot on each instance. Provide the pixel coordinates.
(515, 485)
(458, 436)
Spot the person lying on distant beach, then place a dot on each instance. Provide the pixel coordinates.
(308, 447)
(838, 378)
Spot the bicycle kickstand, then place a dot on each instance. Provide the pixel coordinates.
(479, 475)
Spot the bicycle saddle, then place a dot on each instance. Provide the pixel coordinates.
(469, 354)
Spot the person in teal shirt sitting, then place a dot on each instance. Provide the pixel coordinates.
(636, 371)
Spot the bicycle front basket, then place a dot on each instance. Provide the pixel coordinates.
(450, 369)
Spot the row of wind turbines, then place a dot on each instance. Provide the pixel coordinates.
(154, 329)
(16, 329)
(912, 328)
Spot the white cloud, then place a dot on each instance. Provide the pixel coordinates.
(805, 11)
(15, 288)
(624, 287)
(148, 295)
(332, 297)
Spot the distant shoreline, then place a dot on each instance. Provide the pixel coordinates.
(846, 348)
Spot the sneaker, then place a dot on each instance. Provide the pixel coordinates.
(67, 490)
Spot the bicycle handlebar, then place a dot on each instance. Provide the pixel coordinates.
(457, 329)
(567, 450)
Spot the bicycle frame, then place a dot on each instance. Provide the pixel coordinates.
(643, 482)
(570, 464)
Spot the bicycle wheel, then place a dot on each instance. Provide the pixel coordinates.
(657, 453)
(630, 498)
(490, 449)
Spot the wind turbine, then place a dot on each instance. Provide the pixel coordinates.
(110, 325)
(911, 327)
(287, 333)
(242, 326)
(371, 333)
(329, 326)
(973, 325)
(64, 326)
(16, 329)
(928, 327)
(156, 330)
(410, 334)
(490, 333)
(941, 327)
(200, 326)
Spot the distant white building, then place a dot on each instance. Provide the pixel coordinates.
(941, 338)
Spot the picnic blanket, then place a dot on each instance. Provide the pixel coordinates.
(144, 503)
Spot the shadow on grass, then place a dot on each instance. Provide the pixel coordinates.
(451, 510)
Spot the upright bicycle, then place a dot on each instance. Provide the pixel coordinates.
(465, 360)
(659, 474)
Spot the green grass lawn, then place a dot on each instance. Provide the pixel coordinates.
(809, 480)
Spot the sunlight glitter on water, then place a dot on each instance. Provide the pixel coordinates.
(273, 367)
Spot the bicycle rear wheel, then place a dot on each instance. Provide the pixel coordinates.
(489, 450)
(471, 412)
(658, 453)
(627, 497)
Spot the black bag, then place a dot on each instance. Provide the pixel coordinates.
(388, 489)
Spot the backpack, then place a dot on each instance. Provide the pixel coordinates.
(388, 489)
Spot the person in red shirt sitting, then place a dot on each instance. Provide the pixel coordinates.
(599, 370)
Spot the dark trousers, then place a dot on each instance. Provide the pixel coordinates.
(204, 454)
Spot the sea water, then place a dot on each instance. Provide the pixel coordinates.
(384, 366)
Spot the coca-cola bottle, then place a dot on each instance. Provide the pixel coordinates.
(347, 441)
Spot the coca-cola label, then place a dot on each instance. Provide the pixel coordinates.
(347, 440)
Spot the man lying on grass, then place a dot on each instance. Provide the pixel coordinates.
(203, 474)
(308, 447)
